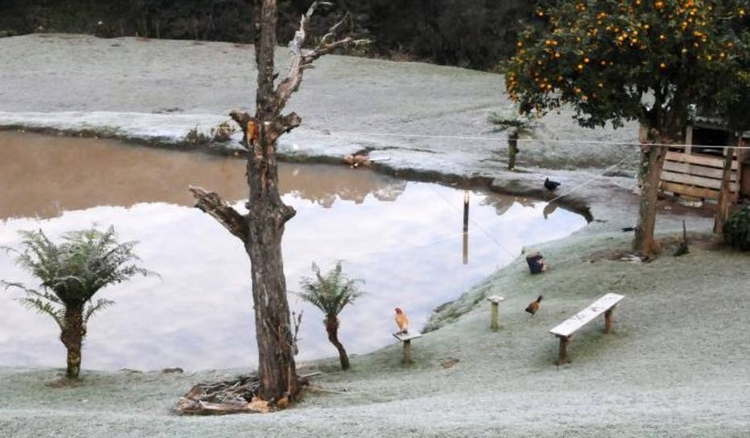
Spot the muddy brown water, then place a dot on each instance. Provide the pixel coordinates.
(404, 239)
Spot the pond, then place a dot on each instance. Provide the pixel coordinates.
(404, 239)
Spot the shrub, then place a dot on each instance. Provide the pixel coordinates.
(737, 229)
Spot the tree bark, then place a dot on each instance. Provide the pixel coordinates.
(332, 328)
(266, 220)
(71, 335)
(651, 162)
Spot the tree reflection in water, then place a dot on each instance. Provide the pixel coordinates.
(404, 239)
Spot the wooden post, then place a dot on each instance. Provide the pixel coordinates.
(406, 338)
(562, 357)
(608, 320)
(466, 248)
(722, 210)
(495, 301)
(466, 211)
(495, 313)
(407, 351)
(689, 139)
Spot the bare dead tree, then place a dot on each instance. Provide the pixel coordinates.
(262, 228)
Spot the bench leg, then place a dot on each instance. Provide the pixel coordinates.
(407, 351)
(608, 320)
(562, 357)
(494, 316)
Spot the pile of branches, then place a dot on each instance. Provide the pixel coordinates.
(230, 397)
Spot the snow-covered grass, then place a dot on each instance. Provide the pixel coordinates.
(677, 364)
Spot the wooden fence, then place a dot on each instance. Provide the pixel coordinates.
(697, 176)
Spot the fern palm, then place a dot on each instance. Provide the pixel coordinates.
(70, 274)
(331, 293)
(516, 125)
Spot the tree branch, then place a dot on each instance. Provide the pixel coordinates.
(211, 203)
(303, 58)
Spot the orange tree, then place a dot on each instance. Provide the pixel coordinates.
(645, 60)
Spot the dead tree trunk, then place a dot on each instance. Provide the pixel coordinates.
(262, 228)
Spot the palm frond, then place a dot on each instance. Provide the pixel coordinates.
(57, 313)
(101, 304)
(331, 292)
(77, 268)
(33, 292)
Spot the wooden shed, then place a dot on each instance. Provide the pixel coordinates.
(693, 172)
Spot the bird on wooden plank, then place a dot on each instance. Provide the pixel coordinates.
(550, 185)
(402, 321)
(534, 305)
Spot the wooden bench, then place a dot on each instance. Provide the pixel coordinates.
(564, 331)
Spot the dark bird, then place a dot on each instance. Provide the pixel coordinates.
(550, 185)
(534, 305)
(627, 229)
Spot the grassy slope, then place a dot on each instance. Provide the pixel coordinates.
(676, 365)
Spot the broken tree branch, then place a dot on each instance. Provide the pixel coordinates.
(211, 203)
(303, 58)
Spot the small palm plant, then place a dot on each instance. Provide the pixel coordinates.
(70, 273)
(331, 293)
(516, 125)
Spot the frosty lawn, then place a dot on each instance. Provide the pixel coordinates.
(676, 364)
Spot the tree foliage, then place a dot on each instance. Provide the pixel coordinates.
(617, 60)
(468, 33)
(645, 60)
(331, 292)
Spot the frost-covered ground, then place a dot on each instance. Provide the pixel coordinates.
(678, 363)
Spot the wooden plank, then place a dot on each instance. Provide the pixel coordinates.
(692, 180)
(702, 160)
(408, 336)
(682, 189)
(708, 172)
(583, 317)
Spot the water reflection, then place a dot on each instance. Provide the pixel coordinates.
(404, 239)
(42, 176)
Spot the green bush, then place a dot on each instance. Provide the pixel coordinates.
(737, 229)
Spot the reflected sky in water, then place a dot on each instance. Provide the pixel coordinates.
(404, 239)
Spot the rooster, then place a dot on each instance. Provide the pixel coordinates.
(534, 305)
(402, 321)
